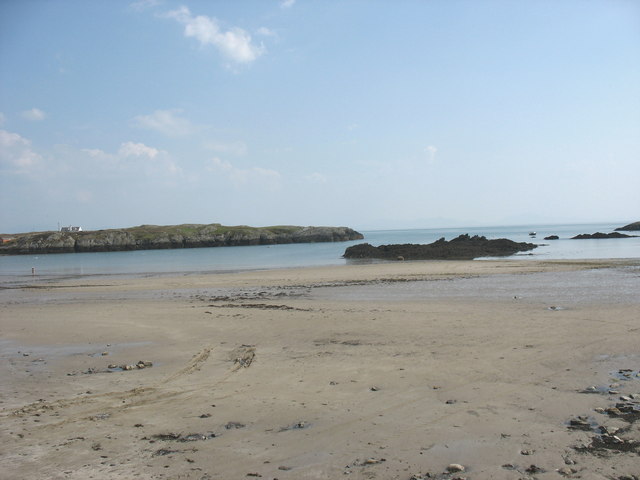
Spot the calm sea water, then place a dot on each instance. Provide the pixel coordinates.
(226, 259)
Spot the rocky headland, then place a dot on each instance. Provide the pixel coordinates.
(632, 227)
(600, 235)
(463, 247)
(154, 237)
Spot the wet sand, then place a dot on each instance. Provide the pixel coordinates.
(387, 371)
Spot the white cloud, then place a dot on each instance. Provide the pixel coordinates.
(35, 115)
(242, 176)
(166, 122)
(266, 32)
(234, 44)
(287, 3)
(94, 152)
(140, 5)
(16, 153)
(130, 149)
(431, 152)
(131, 158)
(234, 148)
(317, 178)
(221, 165)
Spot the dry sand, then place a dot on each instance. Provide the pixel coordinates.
(386, 371)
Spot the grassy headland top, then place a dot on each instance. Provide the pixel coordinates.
(151, 237)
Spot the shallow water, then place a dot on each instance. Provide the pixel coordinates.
(229, 259)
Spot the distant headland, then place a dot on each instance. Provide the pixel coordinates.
(155, 237)
(632, 227)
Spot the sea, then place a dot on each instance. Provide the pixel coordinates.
(264, 257)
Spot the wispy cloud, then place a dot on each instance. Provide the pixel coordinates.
(2, 119)
(167, 122)
(317, 178)
(266, 32)
(131, 149)
(235, 44)
(287, 3)
(140, 5)
(132, 157)
(431, 153)
(242, 176)
(35, 115)
(16, 154)
(233, 148)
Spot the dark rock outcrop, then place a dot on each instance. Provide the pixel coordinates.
(552, 237)
(153, 237)
(463, 247)
(600, 235)
(632, 227)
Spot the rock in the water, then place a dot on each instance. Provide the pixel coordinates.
(463, 247)
(600, 235)
(552, 237)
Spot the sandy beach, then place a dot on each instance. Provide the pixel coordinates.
(407, 370)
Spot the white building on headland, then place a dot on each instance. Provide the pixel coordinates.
(71, 229)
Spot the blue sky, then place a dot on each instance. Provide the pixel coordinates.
(370, 114)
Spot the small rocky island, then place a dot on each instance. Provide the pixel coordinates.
(632, 227)
(463, 247)
(600, 235)
(154, 237)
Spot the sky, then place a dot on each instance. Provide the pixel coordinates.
(370, 114)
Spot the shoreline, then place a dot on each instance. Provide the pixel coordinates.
(380, 371)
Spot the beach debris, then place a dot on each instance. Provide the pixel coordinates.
(243, 356)
(234, 425)
(364, 463)
(455, 468)
(580, 423)
(450, 402)
(527, 452)
(296, 426)
(566, 471)
(205, 415)
(100, 416)
(190, 437)
(164, 451)
(253, 475)
(284, 468)
(374, 389)
(534, 469)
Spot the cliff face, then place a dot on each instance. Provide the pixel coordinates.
(152, 237)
